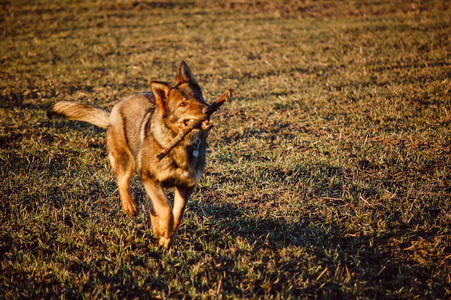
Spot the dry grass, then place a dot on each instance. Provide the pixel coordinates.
(328, 175)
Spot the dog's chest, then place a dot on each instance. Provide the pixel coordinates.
(185, 166)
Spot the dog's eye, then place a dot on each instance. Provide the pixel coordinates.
(183, 103)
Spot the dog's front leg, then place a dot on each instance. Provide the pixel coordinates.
(160, 212)
(181, 196)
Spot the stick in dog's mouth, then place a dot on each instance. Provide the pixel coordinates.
(206, 125)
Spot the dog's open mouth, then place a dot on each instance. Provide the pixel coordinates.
(186, 122)
(205, 125)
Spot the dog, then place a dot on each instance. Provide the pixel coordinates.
(138, 129)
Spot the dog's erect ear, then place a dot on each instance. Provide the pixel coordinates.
(185, 74)
(160, 91)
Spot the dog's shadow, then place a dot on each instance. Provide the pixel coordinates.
(227, 222)
(285, 244)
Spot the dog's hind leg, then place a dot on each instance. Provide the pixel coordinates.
(124, 165)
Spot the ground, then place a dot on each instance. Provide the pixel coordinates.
(328, 175)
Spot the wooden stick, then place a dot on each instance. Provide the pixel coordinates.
(195, 124)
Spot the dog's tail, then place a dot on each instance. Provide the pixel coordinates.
(88, 113)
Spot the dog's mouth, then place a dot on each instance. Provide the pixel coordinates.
(187, 122)
(205, 125)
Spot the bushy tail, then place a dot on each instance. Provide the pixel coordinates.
(81, 112)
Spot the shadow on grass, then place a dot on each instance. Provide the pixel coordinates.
(364, 258)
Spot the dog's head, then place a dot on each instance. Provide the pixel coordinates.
(182, 104)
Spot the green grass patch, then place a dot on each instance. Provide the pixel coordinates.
(328, 176)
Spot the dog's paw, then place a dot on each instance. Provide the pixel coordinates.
(164, 242)
(129, 207)
(133, 211)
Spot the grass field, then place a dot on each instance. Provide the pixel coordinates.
(328, 175)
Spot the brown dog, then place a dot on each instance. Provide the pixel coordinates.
(138, 129)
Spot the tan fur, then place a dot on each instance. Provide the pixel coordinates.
(138, 128)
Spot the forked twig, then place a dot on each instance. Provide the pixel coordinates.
(195, 124)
